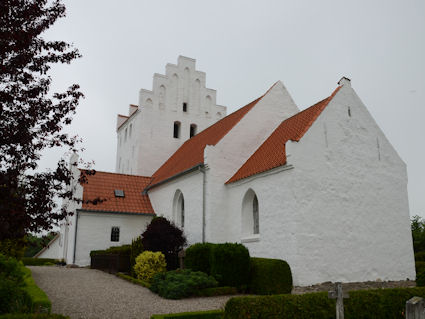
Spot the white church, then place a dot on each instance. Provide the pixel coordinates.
(321, 188)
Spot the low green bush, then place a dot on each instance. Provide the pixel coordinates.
(32, 316)
(419, 266)
(210, 314)
(133, 280)
(38, 300)
(148, 264)
(30, 261)
(362, 304)
(216, 291)
(12, 280)
(230, 264)
(177, 284)
(124, 250)
(420, 279)
(135, 250)
(269, 277)
(420, 256)
(198, 257)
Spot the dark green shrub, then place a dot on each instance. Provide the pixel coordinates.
(230, 264)
(124, 250)
(362, 304)
(419, 266)
(270, 277)
(37, 298)
(209, 314)
(420, 256)
(162, 235)
(216, 291)
(198, 257)
(136, 250)
(420, 279)
(180, 283)
(12, 296)
(13, 247)
(30, 261)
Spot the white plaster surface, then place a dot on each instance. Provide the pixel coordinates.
(52, 251)
(151, 142)
(94, 232)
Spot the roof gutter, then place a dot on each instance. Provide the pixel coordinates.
(189, 170)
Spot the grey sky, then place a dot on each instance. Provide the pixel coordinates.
(244, 47)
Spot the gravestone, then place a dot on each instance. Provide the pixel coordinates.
(415, 308)
(339, 295)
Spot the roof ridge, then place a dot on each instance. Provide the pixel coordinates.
(132, 175)
(249, 169)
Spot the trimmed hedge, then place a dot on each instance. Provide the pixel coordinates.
(364, 304)
(210, 314)
(420, 266)
(270, 277)
(198, 257)
(124, 250)
(32, 316)
(30, 261)
(420, 256)
(230, 264)
(39, 302)
(133, 280)
(180, 283)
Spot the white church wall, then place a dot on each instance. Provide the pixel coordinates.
(152, 141)
(163, 200)
(94, 232)
(53, 250)
(225, 158)
(343, 207)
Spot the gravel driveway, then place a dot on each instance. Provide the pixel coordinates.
(90, 293)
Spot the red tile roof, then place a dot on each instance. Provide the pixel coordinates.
(272, 153)
(102, 185)
(191, 153)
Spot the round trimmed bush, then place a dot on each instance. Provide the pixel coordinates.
(148, 264)
(198, 257)
(270, 276)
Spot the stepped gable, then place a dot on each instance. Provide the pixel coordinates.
(103, 185)
(271, 153)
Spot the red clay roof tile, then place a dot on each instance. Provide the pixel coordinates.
(191, 153)
(102, 185)
(272, 153)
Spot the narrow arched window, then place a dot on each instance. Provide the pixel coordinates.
(250, 214)
(255, 215)
(184, 107)
(192, 130)
(176, 132)
(179, 209)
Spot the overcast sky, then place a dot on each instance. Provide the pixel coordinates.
(244, 47)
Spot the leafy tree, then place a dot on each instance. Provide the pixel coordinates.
(162, 235)
(32, 117)
(418, 233)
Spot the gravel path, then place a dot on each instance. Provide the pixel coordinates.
(90, 293)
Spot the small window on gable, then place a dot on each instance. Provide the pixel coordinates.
(129, 131)
(184, 107)
(192, 130)
(115, 233)
(176, 132)
(125, 135)
(119, 193)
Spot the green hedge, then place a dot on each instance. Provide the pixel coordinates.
(198, 257)
(133, 280)
(365, 304)
(420, 266)
(216, 291)
(30, 261)
(230, 264)
(270, 276)
(32, 316)
(420, 256)
(210, 314)
(39, 302)
(120, 250)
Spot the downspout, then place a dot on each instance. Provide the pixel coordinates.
(204, 186)
(75, 237)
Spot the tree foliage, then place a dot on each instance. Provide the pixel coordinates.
(418, 233)
(32, 117)
(162, 235)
